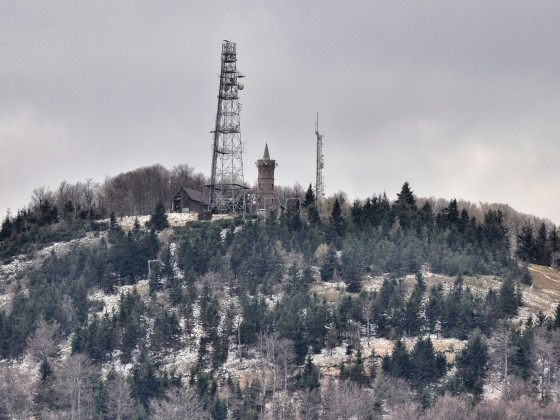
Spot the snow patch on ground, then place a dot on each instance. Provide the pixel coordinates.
(20, 263)
(111, 302)
(174, 219)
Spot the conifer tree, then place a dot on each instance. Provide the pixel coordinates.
(313, 216)
(309, 197)
(143, 380)
(557, 317)
(355, 370)
(507, 299)
(330, 264)
(412, 317)
(526, 244)
(398, 363)
(158, 219)
(309, 377)
(542, 249)
(406, 197)
(7, 228)
(427, 366)
(526, 275)
(405, 206)
(472, 363)
(336, 221)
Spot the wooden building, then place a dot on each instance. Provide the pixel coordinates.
(187, 200)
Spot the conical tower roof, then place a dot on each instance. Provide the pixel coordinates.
(266, 154)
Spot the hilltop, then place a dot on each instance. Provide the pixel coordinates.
(274, 317)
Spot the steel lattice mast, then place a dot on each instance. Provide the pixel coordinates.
(227, 185)
(319, 182)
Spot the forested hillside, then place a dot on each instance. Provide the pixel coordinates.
(404, 308)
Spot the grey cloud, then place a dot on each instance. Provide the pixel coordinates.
(459, 98)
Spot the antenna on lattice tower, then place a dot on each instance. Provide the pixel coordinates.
(227, 186)
(320, 181)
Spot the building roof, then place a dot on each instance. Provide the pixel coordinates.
(266, 155)
(193, 195)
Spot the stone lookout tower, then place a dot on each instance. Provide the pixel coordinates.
(266, 201)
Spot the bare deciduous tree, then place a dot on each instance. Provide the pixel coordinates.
(504, 349)
(15, 394)
(137, 192)
(542, 354)
(43, 343)
(74, 382)
(40, 195)
(309, 404)
(343, 400)
(517, 389)
(120, 403)
(367, 309)
(70, 315)
(282, 407)
(521, 409)
(391, 392)
(408, 411)
(448, 408)
(285, 357)
(178, 404)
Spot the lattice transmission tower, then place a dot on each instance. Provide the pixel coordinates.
(227, 185)
(320, 181)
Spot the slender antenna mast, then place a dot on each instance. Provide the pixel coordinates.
(227, 186)
(319, 182)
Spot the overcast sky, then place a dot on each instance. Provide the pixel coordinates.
(460, 98)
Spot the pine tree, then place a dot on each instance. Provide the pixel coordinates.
(398, 363)
(472, 363)
(427, 366)
(554, 240)
(450, 215)
(526, 244)
(336, 221)
(7, 228)
(143, 380)
(309, 197)
(507, 299)
(405, 206)
(356, 370)
(406, 197)
(412, 317)
(313, 216)
(330, 264)
(45, 390)
(426, 215)
(158, 220)
(309, 377)
(350, 269)
(542, 250)
(434, 307)
(557, 317)
(526, 275)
